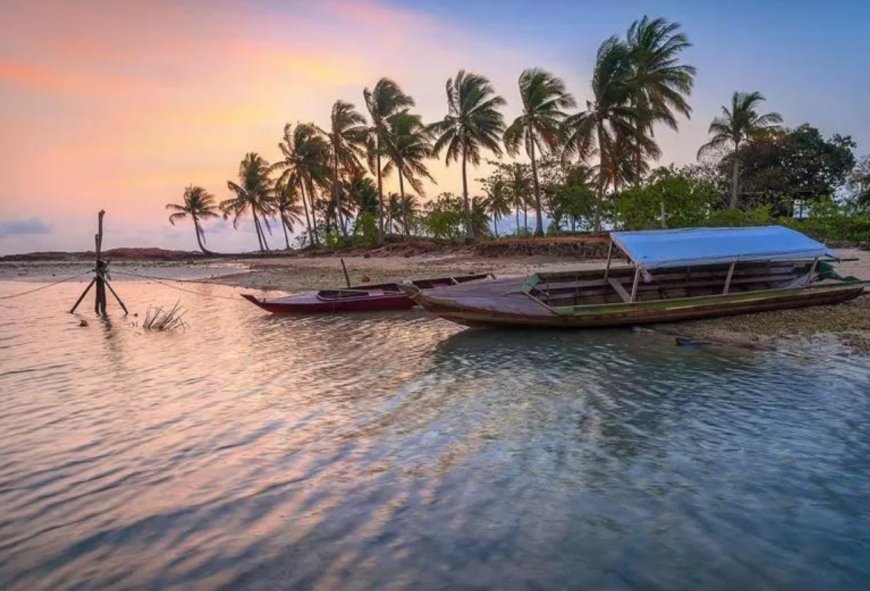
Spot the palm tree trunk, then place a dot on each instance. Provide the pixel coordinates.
(735, 178)
(305, 207)
(526, 217)
(284, 226)
(600, 201)
(495, 224)
(539, 221)
(466, 210)
(313, 214)
(198, 231)
(380, 192)
(258, 229)
(517, 210)
(262, 231)
(404, 204)
(335, 191)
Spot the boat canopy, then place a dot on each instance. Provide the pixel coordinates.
(656, 249)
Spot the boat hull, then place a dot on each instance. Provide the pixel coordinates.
(309, 304)
(649, 312)
(372, 298)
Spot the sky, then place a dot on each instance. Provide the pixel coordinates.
(119, 104)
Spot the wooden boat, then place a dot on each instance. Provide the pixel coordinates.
(690, 277)
(365, 298)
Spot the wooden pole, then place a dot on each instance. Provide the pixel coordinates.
(81, 297)
(634, 285)
(609, 256)
(728, 277)
(101, 275)
(100, 301)
(344, 268)
(109, 285)
(812, 271)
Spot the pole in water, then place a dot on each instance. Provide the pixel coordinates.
(101, 276)
(344, 268)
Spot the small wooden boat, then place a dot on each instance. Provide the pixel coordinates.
(363, 298)
(674, 275)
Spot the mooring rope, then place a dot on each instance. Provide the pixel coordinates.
(23, 293)
(163, 280)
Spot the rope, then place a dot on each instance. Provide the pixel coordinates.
(163, 280)
(15, 295)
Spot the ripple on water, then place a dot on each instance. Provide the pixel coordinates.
(400, 451)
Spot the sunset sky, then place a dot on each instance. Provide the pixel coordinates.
(120, 104)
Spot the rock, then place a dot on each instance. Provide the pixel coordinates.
(83, 323)
(365, 279)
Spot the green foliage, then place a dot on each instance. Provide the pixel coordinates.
(795, 164)
(365, 229)
(443, 218)
(686, 202)
(333, 239)
(759, 216)
(830, 221)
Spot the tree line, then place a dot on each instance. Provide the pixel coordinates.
(578, 163)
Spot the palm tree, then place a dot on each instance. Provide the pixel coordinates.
(479, 217)
(498, 201)
(347, 137)
(737, 125)
(254, 193)
(306, 157)
(392, 211)
(473, 123)
(363, 193)
(410, 207)
(383, 101)
(287, 207)
(407, 145)
(539, 126)
(199, 205)
(608, 125)
(518, 182)
(661, 82)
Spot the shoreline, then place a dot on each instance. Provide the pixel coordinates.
(846, 325)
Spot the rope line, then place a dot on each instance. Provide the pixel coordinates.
(163, 280)
(15, 295)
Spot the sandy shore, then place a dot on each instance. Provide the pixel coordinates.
(846, 325)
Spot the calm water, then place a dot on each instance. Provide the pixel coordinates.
(401, 452)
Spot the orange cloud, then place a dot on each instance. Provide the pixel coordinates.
(53, 80)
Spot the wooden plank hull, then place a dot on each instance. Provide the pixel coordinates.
(530, 313)
(371, 298)
(308, 303)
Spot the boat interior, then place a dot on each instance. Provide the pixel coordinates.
(592, 287)
(379, 289)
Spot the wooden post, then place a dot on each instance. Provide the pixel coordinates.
(728, 277)
(609, 256)
(634, 285)
(81, 297)
(100, 301)
(344, 268)
(101, 275)
(664, 215)
(812, 271)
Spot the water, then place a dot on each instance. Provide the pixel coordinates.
(401, 452)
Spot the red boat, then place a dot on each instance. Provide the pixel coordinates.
(367, 298)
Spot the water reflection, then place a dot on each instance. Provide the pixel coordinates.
(399, 451)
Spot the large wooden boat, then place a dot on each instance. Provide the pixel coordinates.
(673, 275)
(362, 298)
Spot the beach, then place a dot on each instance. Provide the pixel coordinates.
(845, 325)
